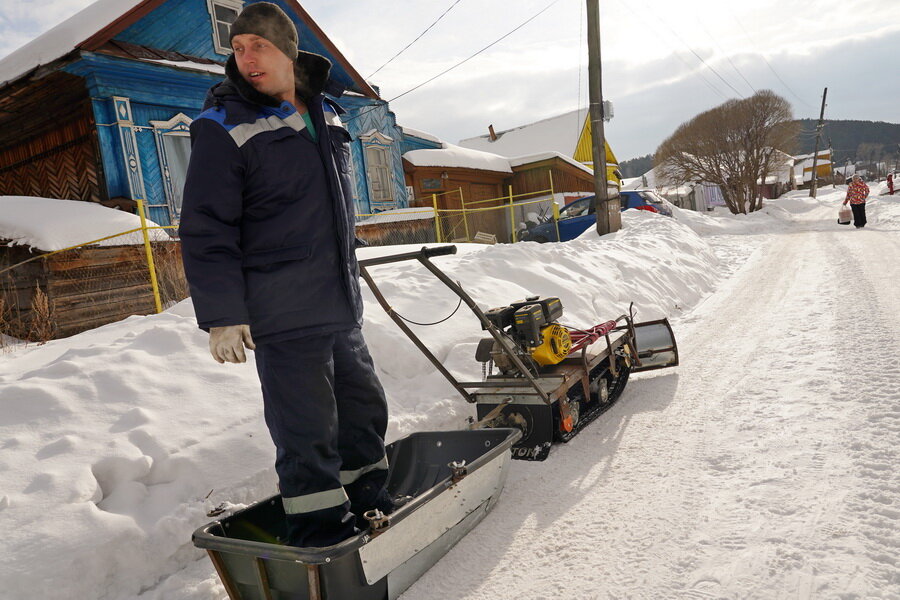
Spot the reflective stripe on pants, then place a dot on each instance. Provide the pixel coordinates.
(348, 477)
(315, 501)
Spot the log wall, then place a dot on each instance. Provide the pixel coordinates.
(48, 143)
(86, 288)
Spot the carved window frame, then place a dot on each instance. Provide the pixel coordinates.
(179, 126)
(222, 46)
(376, 142)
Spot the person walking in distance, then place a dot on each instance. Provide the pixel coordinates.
(267, 232)
(857, 192)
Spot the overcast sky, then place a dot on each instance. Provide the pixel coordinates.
(653, 58)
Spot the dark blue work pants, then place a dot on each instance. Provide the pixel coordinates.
(327, 415)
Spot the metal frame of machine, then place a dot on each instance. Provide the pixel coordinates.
(544, 400)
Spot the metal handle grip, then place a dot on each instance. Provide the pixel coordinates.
(425, 252)
(438, 251)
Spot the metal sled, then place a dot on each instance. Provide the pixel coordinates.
(454, 478)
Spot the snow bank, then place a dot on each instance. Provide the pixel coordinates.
(47, 224)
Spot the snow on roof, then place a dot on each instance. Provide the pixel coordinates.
(558, 134)
(421, 134)
(63, 38)
(531, 158)
(189, 64)
(48, 224)
(456, 157)
(823, 154)
(398, 214)
(652, 180)
(846, 170)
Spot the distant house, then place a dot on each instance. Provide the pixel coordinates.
(803, 167)
(449, 177)
(98, 108)
(782, 178)
(568, 134)
(698, 196)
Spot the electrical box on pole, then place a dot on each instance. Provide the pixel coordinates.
(607, 111)
(609, 218)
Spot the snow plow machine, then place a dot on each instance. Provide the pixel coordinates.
(550, 381)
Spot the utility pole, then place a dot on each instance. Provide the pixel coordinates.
(815, 177)
(608, 217)
(833, 172)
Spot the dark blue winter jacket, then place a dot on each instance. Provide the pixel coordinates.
(267, 223)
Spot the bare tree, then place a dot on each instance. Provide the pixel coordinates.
(731, 146)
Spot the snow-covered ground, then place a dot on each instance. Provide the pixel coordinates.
(764, 467)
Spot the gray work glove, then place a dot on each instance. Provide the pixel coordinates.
(226, 344)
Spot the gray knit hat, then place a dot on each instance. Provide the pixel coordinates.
(269, 21)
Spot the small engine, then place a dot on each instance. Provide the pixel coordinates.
(533, 328)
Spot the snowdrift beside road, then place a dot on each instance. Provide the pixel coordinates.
(118, 441)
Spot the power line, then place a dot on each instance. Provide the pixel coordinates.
(722, 50)
(700, 58)
(415, 40)
(784, 83)
(681, 58)
(768, 64)
(462, 62)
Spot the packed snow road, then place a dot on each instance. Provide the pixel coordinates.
(764, 467)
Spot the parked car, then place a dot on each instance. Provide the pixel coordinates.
(646, 200)
(576, 217)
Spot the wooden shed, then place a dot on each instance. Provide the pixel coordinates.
(456, 178)
(73, 291)
(549, 169)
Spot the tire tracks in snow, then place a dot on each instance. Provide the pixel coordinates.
(870, 386)
(746, 473)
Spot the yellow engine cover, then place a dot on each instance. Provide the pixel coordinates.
(555, 346)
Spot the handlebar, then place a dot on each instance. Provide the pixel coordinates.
(438, 250)
(425, 252)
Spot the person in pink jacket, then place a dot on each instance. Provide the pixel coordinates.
(857, 192)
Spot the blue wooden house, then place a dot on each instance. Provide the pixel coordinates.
(98, 108)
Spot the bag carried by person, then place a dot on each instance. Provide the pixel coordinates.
(844, 215)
